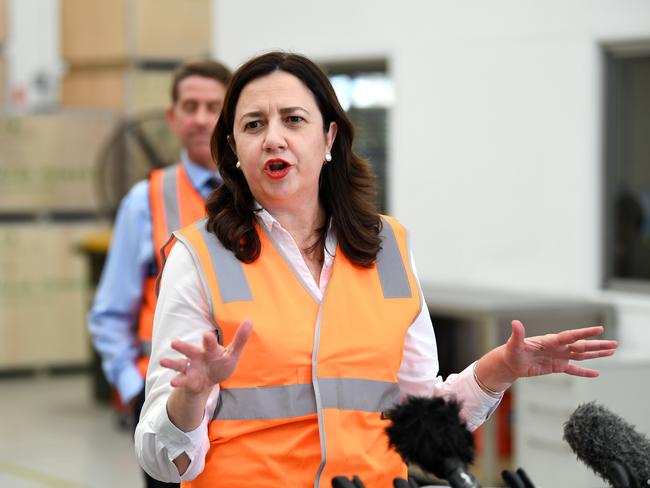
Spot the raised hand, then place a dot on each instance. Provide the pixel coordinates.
(207, 365)
(555, 353)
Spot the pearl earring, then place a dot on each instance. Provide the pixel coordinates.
(238, 165)
(328, 157)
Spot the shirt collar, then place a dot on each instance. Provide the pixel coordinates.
(265, 219)
(197, 174)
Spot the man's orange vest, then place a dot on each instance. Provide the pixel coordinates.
(174, 204)
(305, 402)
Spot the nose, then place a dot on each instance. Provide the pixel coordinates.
(274, 140)
(203, 117)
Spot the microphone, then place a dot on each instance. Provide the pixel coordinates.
(343, 482)
(402, 483)
(609, 446)
(523, 476)
(512, 479)
(516, 479)
(430, 433)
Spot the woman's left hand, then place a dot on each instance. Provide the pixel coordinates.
(523, 356)
(555, 353)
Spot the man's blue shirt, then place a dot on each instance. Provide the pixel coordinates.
(112, 320)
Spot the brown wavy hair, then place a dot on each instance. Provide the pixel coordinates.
(347, 190)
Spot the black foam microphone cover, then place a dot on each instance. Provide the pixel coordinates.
(608, 445)
(429, 432)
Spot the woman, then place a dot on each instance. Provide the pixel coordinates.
(293, 245)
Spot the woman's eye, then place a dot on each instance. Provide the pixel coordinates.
(254, 124)
(294, 119)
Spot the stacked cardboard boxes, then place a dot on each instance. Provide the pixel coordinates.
(47, 201)
(3, 83)
(3, 20)
(43, 298)
(48, 161)
(130, 89)
(120, 53)
(3, 37)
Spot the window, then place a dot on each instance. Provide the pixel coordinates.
(366, 94)
(627, 166)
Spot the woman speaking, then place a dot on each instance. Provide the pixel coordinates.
(291, 317)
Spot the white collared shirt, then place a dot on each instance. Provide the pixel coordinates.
(182, 313)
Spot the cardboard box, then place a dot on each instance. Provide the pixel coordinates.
(3, 22)
(175, 29)
(44, 295)
(3, 83)
(48, 162)
(121, 88)
(102, 32)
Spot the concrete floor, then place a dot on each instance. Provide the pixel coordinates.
(53, 434)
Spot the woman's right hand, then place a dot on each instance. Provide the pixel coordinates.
(204, 367)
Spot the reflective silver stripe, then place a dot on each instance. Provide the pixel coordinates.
(390, 266)
(204, 281)
(170, 197)
(274, 402)
(233, 285)
(271, 402)
(145, 348)
(358, 394)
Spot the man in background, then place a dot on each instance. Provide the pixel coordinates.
(121, 318)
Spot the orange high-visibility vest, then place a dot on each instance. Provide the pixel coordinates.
(174, 204)
(305, 402)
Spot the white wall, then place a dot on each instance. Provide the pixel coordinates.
(33, 51)
(496, 133)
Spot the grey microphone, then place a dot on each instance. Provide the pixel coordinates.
(608, 445)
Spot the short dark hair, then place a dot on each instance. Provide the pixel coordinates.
(347, 189)
(207, 68)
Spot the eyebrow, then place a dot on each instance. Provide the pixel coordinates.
(283, 111)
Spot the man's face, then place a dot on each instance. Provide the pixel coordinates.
(194, 115)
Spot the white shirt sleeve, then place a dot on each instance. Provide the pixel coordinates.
(182, 313)
(418, 373)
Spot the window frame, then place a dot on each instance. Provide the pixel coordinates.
(611, 54)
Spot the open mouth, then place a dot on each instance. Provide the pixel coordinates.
(277, 168)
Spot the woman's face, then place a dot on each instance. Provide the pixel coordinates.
(279, 140)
